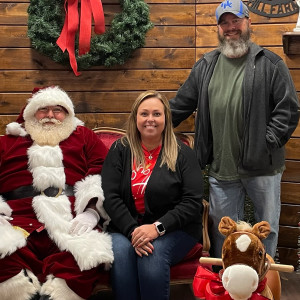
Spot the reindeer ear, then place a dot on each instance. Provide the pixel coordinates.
(261, 229)
(227, 226)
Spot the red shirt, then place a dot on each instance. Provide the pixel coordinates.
(140, 177)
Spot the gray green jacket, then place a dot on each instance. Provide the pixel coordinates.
(270, 114)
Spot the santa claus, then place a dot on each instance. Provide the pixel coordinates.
(51, 200)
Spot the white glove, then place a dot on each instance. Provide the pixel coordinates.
(84, 222)
(3, 220)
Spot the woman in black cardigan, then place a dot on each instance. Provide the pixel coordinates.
(153, 190)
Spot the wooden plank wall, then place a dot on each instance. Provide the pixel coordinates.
(183, 31)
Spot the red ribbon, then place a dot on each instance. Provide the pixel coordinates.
(208, 285)
(66, 40)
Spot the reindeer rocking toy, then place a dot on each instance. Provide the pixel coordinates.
(248, 272)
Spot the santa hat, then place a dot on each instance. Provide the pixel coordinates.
(49, 96)
(41, 97)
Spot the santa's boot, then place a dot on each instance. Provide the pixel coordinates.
(24, 285)
(44, 297)
(35, 297)
(57, 289)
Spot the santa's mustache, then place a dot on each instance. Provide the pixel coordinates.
(47, 120)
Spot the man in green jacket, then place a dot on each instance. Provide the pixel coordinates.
(247, 109)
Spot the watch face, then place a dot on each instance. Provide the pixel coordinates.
(160, 227)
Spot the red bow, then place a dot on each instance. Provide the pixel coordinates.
(66, 40)
(208, 285)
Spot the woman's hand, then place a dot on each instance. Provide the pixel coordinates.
(143, 235)
(144, 250)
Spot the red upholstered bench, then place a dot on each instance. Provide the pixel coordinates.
(183, 272)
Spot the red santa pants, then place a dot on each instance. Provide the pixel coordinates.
(42, 257)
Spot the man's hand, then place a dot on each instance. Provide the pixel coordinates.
(3, 220)
(84, 222)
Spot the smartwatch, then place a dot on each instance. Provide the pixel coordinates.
(160, 228)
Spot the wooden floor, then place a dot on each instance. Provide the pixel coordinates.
(290, 289)
(290, 286)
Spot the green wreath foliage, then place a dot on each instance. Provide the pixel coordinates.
(114, 47)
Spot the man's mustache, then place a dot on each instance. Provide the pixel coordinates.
(47, 120)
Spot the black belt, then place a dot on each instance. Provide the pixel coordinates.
(28, 191)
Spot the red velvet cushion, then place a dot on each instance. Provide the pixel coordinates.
(186, 269)
(108, 137)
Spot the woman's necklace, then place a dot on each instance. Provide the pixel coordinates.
(149, 154)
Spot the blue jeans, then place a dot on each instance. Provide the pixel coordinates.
(227, 198)
(147, 277)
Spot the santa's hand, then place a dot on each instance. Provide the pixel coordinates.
(3, 220)
(84, 222)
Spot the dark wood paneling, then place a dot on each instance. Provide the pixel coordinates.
(160, 14)
(108, 80)
(288, 236)
(288, 256)
(145, 58)
(290, 215)
(292, 172)
(84, 102)
(292, 149)
(159, 36)
(290, 193)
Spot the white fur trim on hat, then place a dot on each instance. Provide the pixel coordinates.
(48, 97)
(15, 129)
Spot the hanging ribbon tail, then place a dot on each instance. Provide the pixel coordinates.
(98, 15)
(66, 40)
(89, 8)
(85, 27)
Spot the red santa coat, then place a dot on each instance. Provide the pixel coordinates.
(76, 161)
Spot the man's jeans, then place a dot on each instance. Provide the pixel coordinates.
(227, 198)
(147, 277)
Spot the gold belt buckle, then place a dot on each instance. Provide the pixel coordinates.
(60, 190)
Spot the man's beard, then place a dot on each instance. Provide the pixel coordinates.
(44, 134)
(235, 48)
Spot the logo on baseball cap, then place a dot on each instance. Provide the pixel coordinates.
(236, 7)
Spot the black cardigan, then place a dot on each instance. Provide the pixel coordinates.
(173, 198)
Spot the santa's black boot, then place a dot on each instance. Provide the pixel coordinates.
(44, 297)
(35, 297)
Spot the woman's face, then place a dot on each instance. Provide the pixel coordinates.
(151, 118)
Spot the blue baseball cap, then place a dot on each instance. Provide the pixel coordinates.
(236, 7)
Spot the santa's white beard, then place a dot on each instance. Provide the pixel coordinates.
(46, 134)
(235, 48)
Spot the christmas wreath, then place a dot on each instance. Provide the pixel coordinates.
(126, 33)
